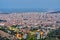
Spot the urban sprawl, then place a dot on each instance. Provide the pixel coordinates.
(29, 26)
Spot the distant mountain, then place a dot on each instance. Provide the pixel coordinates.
(54, 12)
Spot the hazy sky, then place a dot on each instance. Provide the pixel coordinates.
(19, 4)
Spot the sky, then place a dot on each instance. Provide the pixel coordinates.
(27, 4)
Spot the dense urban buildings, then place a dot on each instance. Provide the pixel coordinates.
(30, 18)
(20, 25)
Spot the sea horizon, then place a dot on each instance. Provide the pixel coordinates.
(27, 10)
